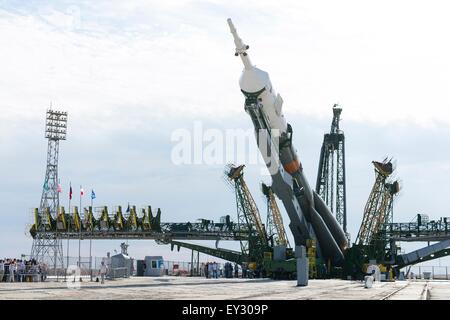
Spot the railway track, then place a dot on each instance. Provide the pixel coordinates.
(425, 294)
(391, 294)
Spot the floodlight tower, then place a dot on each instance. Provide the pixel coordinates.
(46, 247)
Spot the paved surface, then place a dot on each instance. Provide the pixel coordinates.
(199, 288)
(439, 290)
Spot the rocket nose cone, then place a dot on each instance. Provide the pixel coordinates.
(253, 80)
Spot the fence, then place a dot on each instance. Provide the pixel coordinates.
(24, 273)
(183, 268)
(436, 272)
(86, 265)
(177, 268)
(90, 268)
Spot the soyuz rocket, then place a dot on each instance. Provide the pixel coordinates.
(310, 218)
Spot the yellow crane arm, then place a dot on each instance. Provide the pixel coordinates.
(278, 220)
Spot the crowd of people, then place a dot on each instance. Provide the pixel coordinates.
(228, 270)
(20, 270)
(215, 270)
(212, 270)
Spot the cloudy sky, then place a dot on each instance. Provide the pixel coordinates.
(131, 73)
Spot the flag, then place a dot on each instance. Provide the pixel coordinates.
(70, 193)
(128, 209)
(92, 194)
(81, 191)
(59, 188)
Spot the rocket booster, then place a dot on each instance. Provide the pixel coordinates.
(264, 106)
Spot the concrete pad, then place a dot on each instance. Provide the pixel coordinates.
(439, 290)
(168, 288)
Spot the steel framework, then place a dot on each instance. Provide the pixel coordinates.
(379, 207)
(225, 254)
(248, 216)
(48, 247)
(330, 183)
(419, 230)
(274, 224)
(99, 224)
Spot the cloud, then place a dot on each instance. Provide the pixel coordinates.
(95, 56)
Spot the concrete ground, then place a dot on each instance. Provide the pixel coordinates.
(200, 288)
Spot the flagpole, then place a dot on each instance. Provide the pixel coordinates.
(90, 240)
(79, 236)
(70, 198)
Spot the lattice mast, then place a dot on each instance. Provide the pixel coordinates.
(330, 183)
(248, 216)
(379, 207)
(46, 247)
(274, 222)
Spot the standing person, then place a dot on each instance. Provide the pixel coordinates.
(21, 269)
(236, 270)
(210, 269)
(28, 277)
(202, 269)
(206, 270)
(6, 275)
(103, 270)
(215, 269)
(12, 271)
(144, 268)
(230, 266)
(2, 270)
(44, 270)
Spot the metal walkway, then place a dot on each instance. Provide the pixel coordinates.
(419, 231)
(168, 231)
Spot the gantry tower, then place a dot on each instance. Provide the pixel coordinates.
(330, 183)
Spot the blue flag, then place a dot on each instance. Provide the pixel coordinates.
(46, 188)
(92, 194)
(128, 209)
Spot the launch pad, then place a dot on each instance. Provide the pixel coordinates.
(169, 288)
(318, 217)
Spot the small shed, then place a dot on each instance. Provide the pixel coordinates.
(154, 266)
(121, 266)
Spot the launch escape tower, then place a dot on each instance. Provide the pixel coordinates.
(330, 183)
(47, 247)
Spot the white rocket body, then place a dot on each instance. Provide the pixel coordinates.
(265, 109)
(253, 80)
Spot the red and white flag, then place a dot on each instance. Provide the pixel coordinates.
(59, 188)
(81, 191)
